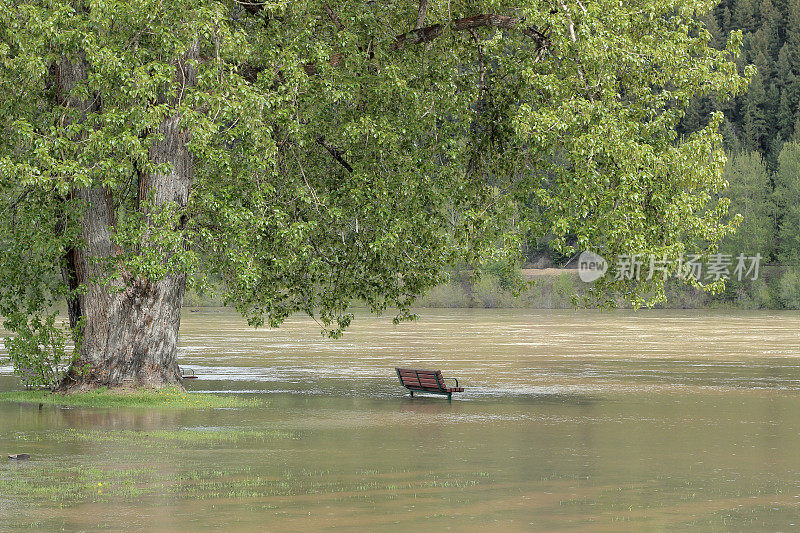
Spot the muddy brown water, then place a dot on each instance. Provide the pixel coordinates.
(579, 421)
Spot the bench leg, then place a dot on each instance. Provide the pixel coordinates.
(412, 393)
(449, 398)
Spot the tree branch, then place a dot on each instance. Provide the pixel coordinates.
(333, 16)
(335, 152)
(570, 23)
(481, 68)
(573, 38)
(424, 35)
(252, 6)
(423, 10)
(429, 33)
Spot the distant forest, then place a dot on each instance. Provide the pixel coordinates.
(762, 140)
(767, 117)
(761, 133)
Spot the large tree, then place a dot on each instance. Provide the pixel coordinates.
(306, 154)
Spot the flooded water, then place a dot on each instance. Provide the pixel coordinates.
(579, 421)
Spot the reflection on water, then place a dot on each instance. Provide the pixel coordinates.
(580, 421)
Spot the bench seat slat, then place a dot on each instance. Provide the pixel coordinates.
(437, 389)
(425, 378)
(430, 381)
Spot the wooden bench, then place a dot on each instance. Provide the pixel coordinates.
(426, 381)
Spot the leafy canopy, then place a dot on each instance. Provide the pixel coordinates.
(331, 164)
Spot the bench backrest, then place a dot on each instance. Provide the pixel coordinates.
(421, 379)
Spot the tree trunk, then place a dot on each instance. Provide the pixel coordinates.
(128, 326)
(130, 337)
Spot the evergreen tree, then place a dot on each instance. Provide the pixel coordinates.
(718, 36)
(771, 24)
(785, 119)
(783, 67)
(744, 15)
(787, 200)
(755, 119)
(750, 194)
(726, 20)
(793, 33)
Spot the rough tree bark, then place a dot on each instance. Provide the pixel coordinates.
(129, 325)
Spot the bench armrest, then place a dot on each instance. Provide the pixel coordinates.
(454, 379)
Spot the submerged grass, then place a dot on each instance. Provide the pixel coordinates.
(163, 398)
(156, 438)
(98, 483)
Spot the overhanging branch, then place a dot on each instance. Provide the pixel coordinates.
(419, 35)
(429, 33)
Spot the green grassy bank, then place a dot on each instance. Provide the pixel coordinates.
(164, 398)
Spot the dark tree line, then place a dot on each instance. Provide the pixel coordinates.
(768, 115)
(761, 133)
